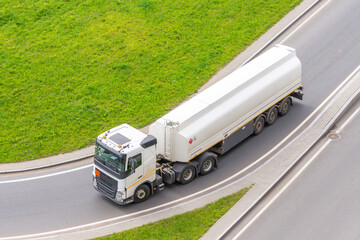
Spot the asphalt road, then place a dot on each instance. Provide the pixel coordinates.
(323, 202)
(328, 46)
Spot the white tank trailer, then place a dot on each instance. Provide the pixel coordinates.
(130, 165)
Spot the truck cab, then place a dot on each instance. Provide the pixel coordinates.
(124, 164)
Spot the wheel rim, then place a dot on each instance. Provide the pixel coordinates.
(207, 165)
(141, 194)
(187, 174)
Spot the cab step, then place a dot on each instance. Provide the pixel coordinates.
(161, 186)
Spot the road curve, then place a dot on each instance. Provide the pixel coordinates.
(67, 200)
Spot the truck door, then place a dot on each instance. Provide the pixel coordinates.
(133, 180)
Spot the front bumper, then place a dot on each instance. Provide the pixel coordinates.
(111, 194)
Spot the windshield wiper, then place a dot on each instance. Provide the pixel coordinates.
(100, 160)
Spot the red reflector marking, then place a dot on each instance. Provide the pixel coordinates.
(191, 140)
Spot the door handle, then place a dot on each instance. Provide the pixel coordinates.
(140, 177)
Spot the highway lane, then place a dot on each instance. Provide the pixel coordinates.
(323, 44)
(323, 201)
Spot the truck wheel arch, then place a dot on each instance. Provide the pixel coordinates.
(151, 187)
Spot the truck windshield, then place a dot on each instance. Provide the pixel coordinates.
(110, 159)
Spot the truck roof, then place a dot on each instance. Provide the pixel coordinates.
(122, 138)
(206, 100)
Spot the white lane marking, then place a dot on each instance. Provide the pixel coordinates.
(353, 115)
(45, 176)
(303, 23)
(281, 191)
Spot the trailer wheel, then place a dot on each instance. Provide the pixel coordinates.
(187, 174)
(141, 193)
(285, 106)
(272, 116)
(207, 166)
(259, 125)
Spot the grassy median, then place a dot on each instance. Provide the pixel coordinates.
(190, 225)
(72, 69)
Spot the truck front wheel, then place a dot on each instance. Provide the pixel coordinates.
(187, 174)
(141, 193)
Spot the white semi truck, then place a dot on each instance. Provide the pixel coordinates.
(129, 165)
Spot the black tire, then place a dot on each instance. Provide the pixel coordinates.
(272, 116)
(259, 125)
(141, 193)
(187, 174)
(207, 166)
(285, 106)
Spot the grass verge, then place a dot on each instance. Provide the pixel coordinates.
(190, 225)
(72, 69)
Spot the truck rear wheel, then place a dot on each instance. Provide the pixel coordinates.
(285, 106)
(207, 166)
(272, 115)
(141, 193)
(187, 174)
(259, 125)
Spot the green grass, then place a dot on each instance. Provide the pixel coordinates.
(73, 69)
(190, 225)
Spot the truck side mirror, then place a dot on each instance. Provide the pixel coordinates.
(132, 166)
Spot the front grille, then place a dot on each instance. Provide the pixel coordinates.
(106, 185)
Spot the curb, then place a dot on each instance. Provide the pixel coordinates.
(48, 165)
